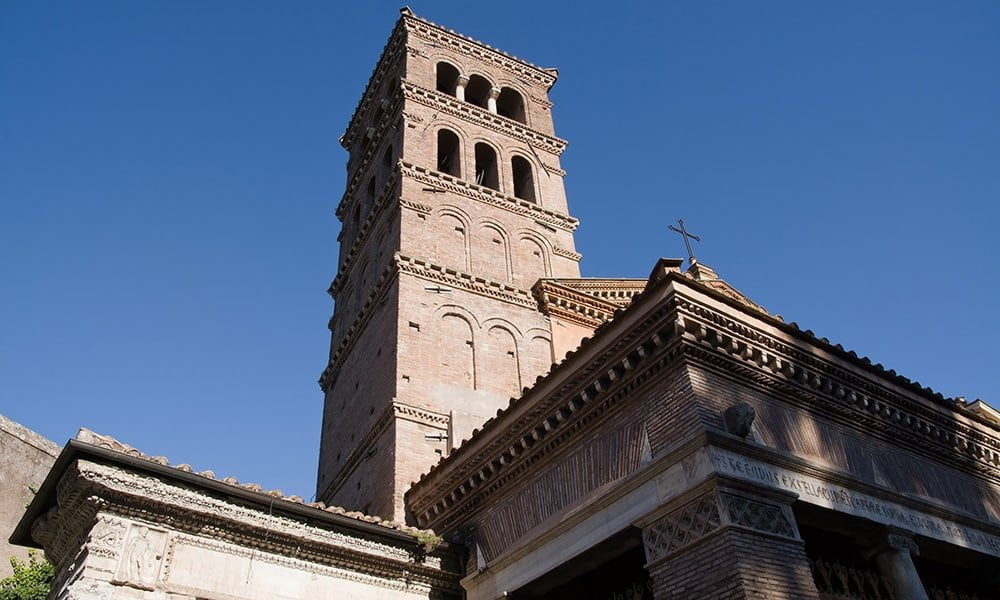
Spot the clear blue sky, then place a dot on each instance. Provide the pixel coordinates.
(169, 170)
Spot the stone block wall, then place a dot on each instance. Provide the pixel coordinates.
(25, 458)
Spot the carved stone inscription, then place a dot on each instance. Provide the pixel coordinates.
(821, 493)
(139, 565)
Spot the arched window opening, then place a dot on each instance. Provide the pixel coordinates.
(486, 167)
(524, 180)
(478, 91)
(510, 105)
(370, 195)
(448, 160)
(457, 354)
(387, 157)
(447, 78)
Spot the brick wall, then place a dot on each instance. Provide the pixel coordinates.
(733, 564)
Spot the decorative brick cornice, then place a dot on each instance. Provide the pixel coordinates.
(392, 49)
(480, 116)
(566, 303)
(470, 283)
(379, 288)
(397, 410)
(389, 191)
(574, 256)
(424, 209)
(803, 377)
(425, 270)
(587, 302)
(457, 42)
(355, 184)
(554, 170)
(488, 196)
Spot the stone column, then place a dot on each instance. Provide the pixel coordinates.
(727, 539)
(491, 102)
(460, 84)
(893, 550)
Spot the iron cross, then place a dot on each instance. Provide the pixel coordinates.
(437, 289)
(684, 233)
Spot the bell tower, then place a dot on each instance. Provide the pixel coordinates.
(454, 209)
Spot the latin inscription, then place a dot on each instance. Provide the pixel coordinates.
(816, 491)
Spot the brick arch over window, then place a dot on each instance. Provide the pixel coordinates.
(456, 351)
(499, 354)
(533, 260)
(451, 238)
(449, 153)
(523, 175)
(447, 78)
(491, 252)
(538, 351)
(510, 104)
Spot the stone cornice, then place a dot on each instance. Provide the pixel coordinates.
(484, 118)
(88, 487)
(488, 196)
(452, 40)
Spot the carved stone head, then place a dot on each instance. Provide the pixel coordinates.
(738, 419)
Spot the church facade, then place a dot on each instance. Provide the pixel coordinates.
(496, 426)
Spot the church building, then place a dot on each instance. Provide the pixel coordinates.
(497, 426)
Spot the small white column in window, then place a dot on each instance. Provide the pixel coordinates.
(491, 102)
(461, 82)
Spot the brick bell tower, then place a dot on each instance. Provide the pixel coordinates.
(454, 209)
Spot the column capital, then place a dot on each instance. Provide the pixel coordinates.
(890, 539)
(893, 550)
(462, 80)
